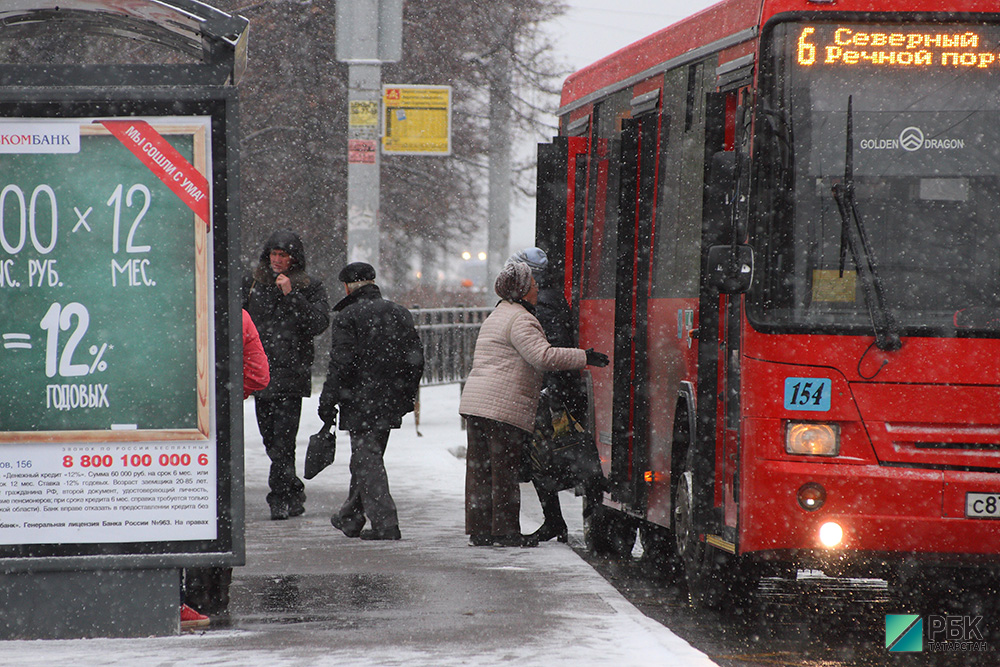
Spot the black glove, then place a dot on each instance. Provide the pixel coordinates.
(328, 412)
(598, 359)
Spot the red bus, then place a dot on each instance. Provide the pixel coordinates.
(782, 219)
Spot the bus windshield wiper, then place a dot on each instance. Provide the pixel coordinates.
(883, 322)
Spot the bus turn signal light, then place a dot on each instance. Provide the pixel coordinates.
(811, 439)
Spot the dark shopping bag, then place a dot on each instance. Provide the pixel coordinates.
(319, 454)
(562, 451)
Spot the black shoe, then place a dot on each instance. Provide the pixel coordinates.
(279, 513)
(515, 540)
(298, 510)
(348, 529)
(391, 533)
(548, 530)
(480, 540)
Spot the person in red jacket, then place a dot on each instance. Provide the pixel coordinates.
(207, 588)
(256, 372)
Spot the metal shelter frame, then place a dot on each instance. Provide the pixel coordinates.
(131, 590)
(187, 26)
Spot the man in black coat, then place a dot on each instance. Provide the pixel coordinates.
(290, 308)
(376, 360)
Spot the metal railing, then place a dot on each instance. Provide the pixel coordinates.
(449, 339)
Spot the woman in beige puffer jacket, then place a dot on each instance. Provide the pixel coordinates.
(499, 402)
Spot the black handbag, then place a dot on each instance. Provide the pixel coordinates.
(562, 451)
(321, 450)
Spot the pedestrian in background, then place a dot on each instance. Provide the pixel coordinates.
(376, 361)
(290, 308)
(500, 400)
(561, 389)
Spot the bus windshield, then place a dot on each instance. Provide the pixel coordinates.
(906, 118)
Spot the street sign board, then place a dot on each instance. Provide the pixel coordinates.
(417, 120)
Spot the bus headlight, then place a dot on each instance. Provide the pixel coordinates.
(811, 439)
(831, 534)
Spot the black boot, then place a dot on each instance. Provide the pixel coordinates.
(548, 530)
(515, 540)
(553, 524)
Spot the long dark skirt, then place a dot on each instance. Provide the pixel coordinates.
(493, 460)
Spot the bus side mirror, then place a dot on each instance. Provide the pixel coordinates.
(730, 268)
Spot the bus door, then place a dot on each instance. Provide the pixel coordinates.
(559, 210)
(717, 452)
(733, 227)
(637, 208)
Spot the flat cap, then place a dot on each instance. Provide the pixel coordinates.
(356, 272)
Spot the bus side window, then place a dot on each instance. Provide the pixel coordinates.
(602, 200)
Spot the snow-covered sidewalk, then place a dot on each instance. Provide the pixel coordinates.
(428, 599)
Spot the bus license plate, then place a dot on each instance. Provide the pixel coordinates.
(982, 505)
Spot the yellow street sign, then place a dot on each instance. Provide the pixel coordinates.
(417, 120)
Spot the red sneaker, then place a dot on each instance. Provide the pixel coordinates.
(191, 619)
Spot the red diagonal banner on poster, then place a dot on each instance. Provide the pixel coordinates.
(165, 162)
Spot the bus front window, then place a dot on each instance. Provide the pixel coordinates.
(923, 101)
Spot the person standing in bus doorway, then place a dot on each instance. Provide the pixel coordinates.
(499, 402)
(376, 361)
(562, 389)
(290, 308)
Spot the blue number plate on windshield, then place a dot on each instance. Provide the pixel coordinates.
(808, 394)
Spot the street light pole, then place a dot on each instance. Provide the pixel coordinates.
(363, 161)
(498, 208)
(369, 33)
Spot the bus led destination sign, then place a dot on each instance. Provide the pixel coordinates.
(852, 45)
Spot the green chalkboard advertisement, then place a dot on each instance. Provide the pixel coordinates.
(107, 331)
(104, 286)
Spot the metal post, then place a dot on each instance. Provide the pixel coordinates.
(369, 33)
(364, 89)
(499, 153)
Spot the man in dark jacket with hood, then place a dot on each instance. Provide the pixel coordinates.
(290, 308)
(376, 360)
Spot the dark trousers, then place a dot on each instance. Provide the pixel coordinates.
(207, 588)
(492, 495)
(369, 495)
(278, 421)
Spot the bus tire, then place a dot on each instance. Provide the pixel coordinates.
(607, 532)
(715, 579)
(703, 566)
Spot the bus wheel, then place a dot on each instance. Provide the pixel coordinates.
(701, 571)
(607, 532)
(715, 579)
